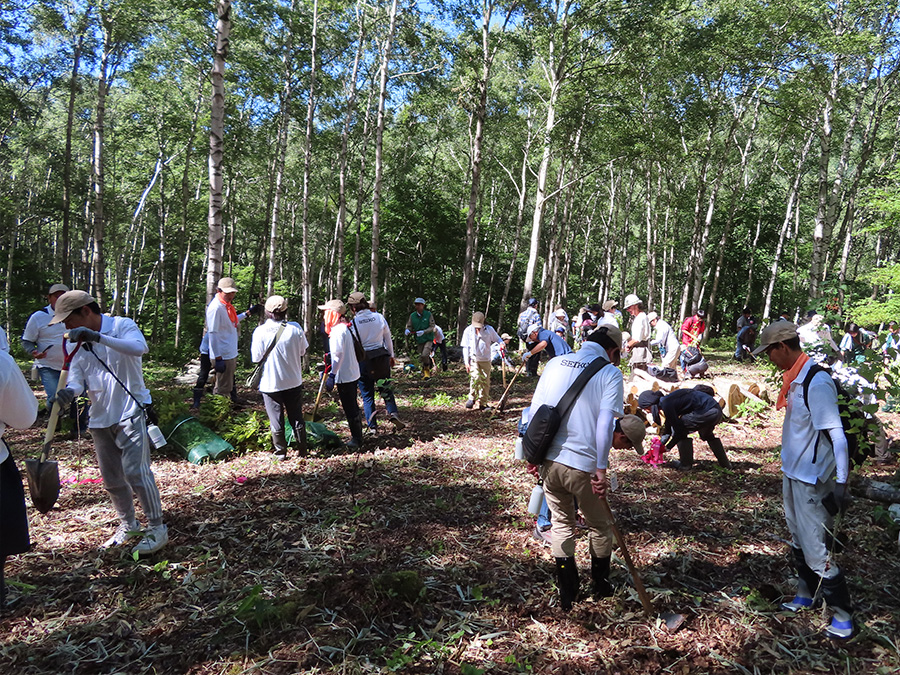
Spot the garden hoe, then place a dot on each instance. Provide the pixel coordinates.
(673, 621)
(315, 417)
(503, 398)
(43, 472)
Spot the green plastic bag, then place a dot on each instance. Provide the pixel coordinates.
(195, 442)
(317, 436)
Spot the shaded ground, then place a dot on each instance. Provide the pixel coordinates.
(286, 567)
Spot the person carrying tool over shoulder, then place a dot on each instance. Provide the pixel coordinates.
(281, 385)
(109, 363)
(577, 459)
(421, 322)
(815, 467)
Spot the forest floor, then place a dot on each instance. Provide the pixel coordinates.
(311, 564)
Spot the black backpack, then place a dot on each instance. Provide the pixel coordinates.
(692, 355)
(544, 424)
(859, 428)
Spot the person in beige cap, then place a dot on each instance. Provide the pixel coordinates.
(109, 369)
(477, 339)
(639, 344)
(222, 328)
(421, 323)
(815, 467)
(44, 341)
(578, 457)
(344, 368)
(281, 344)
(372, 330)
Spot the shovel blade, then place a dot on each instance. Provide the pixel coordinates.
(43, 483)
(672, 620)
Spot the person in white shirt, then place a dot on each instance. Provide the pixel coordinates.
(282, 377)
(344, 367)
(666, 340)
(44, 341)
(500, 352)
(559, 320)
(815, 467)
(372, 331)
(18, 410)
(815, 335)
(108, 368)
(476, 343)
(206, 364)
(578, 457)
(611, 316)
(222, 327)
(440, 344)
(639, 343)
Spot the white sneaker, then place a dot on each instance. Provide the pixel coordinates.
(123, 533)
(154, 539)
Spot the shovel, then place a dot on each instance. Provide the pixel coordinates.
(503, 398)
(672, 620)
(43, 472)
(311, 417)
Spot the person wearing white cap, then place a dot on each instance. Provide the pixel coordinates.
(372, 331)
(476, 343)
(222, 328)
(529, 316)
(815, 466)
(44, 341)
(639, 343)
(344, 369)
(18, 410)
(108, 368)
(578, 456)
(421, 322)
(281, 344)
(666, 340)
(559, 320)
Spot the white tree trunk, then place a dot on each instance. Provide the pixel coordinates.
(216, 237)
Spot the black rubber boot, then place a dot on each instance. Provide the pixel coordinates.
(812, 580)
(356, 432)
(685, 453)
(718, 450)
(198, 394)
(567, 580)
(836, 593)
(600, 577)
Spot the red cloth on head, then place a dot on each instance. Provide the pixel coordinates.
(332, 318)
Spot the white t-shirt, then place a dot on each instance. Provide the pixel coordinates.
(608, 319)
(801, 440)
(18, 406)
(373, 331)
(343, 357)
(438, 335)
(121, 347)
(476, 346)
(223, 334)
(575, 445)
(283, 367)
(39, 331)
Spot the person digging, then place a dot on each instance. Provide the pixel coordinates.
(686, 411)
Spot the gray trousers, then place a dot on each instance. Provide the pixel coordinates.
(123, 453)
(809, 522)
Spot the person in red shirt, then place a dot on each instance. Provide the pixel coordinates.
(691, 333)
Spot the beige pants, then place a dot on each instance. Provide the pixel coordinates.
(480, 381)
(424, 351)
(561, 484)
(225, 381)
(670, 360)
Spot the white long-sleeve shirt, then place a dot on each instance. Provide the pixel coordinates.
(223, 334)
(373, 331)
(476, 344)
(18, 406)
(121, 347)
(343, 357)
(39, 331)
(283, 368)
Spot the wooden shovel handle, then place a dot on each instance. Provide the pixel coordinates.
(54, 417)
(646, 602)
(506, 393)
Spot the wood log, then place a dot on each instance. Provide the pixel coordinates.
(875, 490)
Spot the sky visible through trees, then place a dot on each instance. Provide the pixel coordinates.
(710, 154)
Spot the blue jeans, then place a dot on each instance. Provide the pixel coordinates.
(367, 390)
(543, 519)
(50, 382)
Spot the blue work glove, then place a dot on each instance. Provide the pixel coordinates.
(220, 365)
(64, 397)
(329, 382)
(407, 332)
(420, 333)
(82, 334)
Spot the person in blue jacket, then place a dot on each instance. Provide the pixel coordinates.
(544, 339)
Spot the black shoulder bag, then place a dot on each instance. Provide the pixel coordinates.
(544, 423)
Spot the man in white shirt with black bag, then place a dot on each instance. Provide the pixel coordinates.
(576, 462)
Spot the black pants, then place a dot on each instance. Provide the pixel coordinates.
(203, 375)
(531, 366)
(442, 346)
(290, 403)
(347, 394)
(13, 516)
